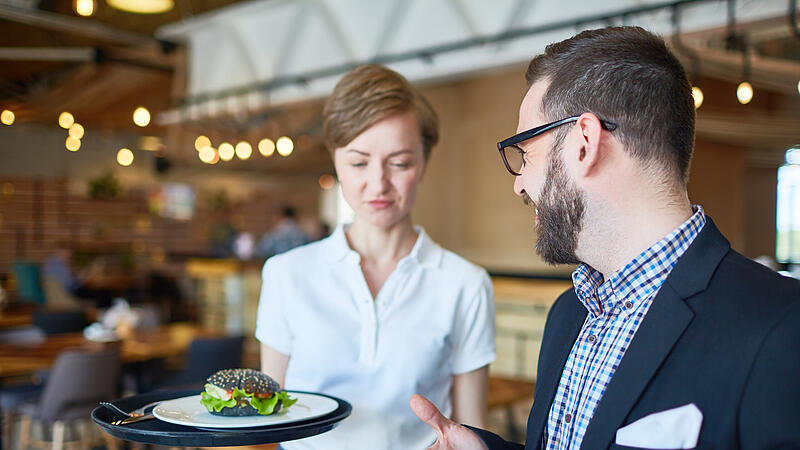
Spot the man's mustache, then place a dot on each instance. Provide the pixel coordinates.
(526, 199)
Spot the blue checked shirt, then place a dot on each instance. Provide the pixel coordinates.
(616, 308)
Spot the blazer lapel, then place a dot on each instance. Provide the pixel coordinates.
(556, 346)
(662, 327)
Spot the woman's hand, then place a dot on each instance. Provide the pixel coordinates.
(450, 435)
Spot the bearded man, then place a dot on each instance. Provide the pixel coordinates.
(669, 338)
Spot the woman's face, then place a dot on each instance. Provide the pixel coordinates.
(381, 168)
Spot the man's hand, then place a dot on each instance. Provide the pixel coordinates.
(451, 436)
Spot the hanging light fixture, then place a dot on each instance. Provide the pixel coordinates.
(65, 120)
(697, 93)
(142, 6)
(7, 117)
(744, 92)
(141, 116)
(85, 8)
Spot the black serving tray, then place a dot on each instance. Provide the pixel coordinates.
(162, 433)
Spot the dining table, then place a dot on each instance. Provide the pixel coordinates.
(135, 345)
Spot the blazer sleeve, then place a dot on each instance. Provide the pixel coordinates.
(769, 415)
(495, 442)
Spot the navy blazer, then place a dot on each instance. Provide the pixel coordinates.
(723, 332)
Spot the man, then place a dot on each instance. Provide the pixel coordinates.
(669, 339)
(286, 235)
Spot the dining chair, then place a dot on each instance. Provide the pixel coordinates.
(57, 322)
(78, 381)
(204, 357)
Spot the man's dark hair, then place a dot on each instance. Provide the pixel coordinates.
(288, 212)
(628, 76)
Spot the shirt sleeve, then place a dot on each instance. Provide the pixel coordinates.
(272, 328)
(473, 332)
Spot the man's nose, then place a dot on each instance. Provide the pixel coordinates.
(519, 188)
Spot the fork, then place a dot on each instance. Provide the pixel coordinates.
(138, 412)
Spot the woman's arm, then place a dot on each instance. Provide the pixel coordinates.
(469, 397)
(274, 363)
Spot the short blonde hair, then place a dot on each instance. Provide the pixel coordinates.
(368, 94)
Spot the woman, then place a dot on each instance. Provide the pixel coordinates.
(377, 311)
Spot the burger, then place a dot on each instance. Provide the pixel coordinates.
(243, 392)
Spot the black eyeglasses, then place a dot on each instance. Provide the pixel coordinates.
(514, 157)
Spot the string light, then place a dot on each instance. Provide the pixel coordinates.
(244, 150)
(7, 117)
(744, 92)
(65, 120)
(226, 151)
(266, 147)
(697, 95)
(326, 181)
(73, 144)
(76, 131)
(284, 145)
(125, 157)
(201, 142)
(84, 8)
(207, 154)
(141, 116)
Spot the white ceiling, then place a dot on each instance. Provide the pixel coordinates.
(237, 51)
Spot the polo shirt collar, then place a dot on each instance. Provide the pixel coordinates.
(425, 252)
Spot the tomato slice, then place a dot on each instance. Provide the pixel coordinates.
(264, 395)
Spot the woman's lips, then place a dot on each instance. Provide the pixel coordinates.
(380, 204)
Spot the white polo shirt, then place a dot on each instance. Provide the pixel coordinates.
(433, 318)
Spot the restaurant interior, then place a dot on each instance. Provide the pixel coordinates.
(147, 153)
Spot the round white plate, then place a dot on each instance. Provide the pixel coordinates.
(189, 411)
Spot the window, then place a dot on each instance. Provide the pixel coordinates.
(787, 240)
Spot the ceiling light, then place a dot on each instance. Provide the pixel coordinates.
(244, 150)
(326, 181)
(744, 92)
(201, 142)
(141, 116)
(266, 147)
(207, 154)
(125, 157)
(84, 8)
(697, 95)
(73, 144)
(284, 145)
(7, 117)
(76, 131)
(226, 151)
(65, 120)
(142, 6)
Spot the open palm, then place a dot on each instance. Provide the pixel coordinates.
(451, 436)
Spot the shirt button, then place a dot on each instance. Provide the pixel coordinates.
(629, 304)
(568, 418)
(592, 338)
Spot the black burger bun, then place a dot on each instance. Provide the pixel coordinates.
(249, 380)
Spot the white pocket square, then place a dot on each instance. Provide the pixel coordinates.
(671, 429)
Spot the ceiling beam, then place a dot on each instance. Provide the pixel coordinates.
(81, 54)
(73, 25)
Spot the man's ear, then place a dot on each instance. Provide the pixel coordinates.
(588, 154)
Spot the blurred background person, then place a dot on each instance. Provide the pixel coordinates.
(377, 310)
(286, 235)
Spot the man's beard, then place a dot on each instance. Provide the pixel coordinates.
(561, 207)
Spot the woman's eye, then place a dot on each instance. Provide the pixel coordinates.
(401, 164)
(359, 164)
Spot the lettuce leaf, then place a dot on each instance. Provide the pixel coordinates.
(267, 405)
(264, 406)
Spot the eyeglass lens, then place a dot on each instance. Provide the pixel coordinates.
(513, 156)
